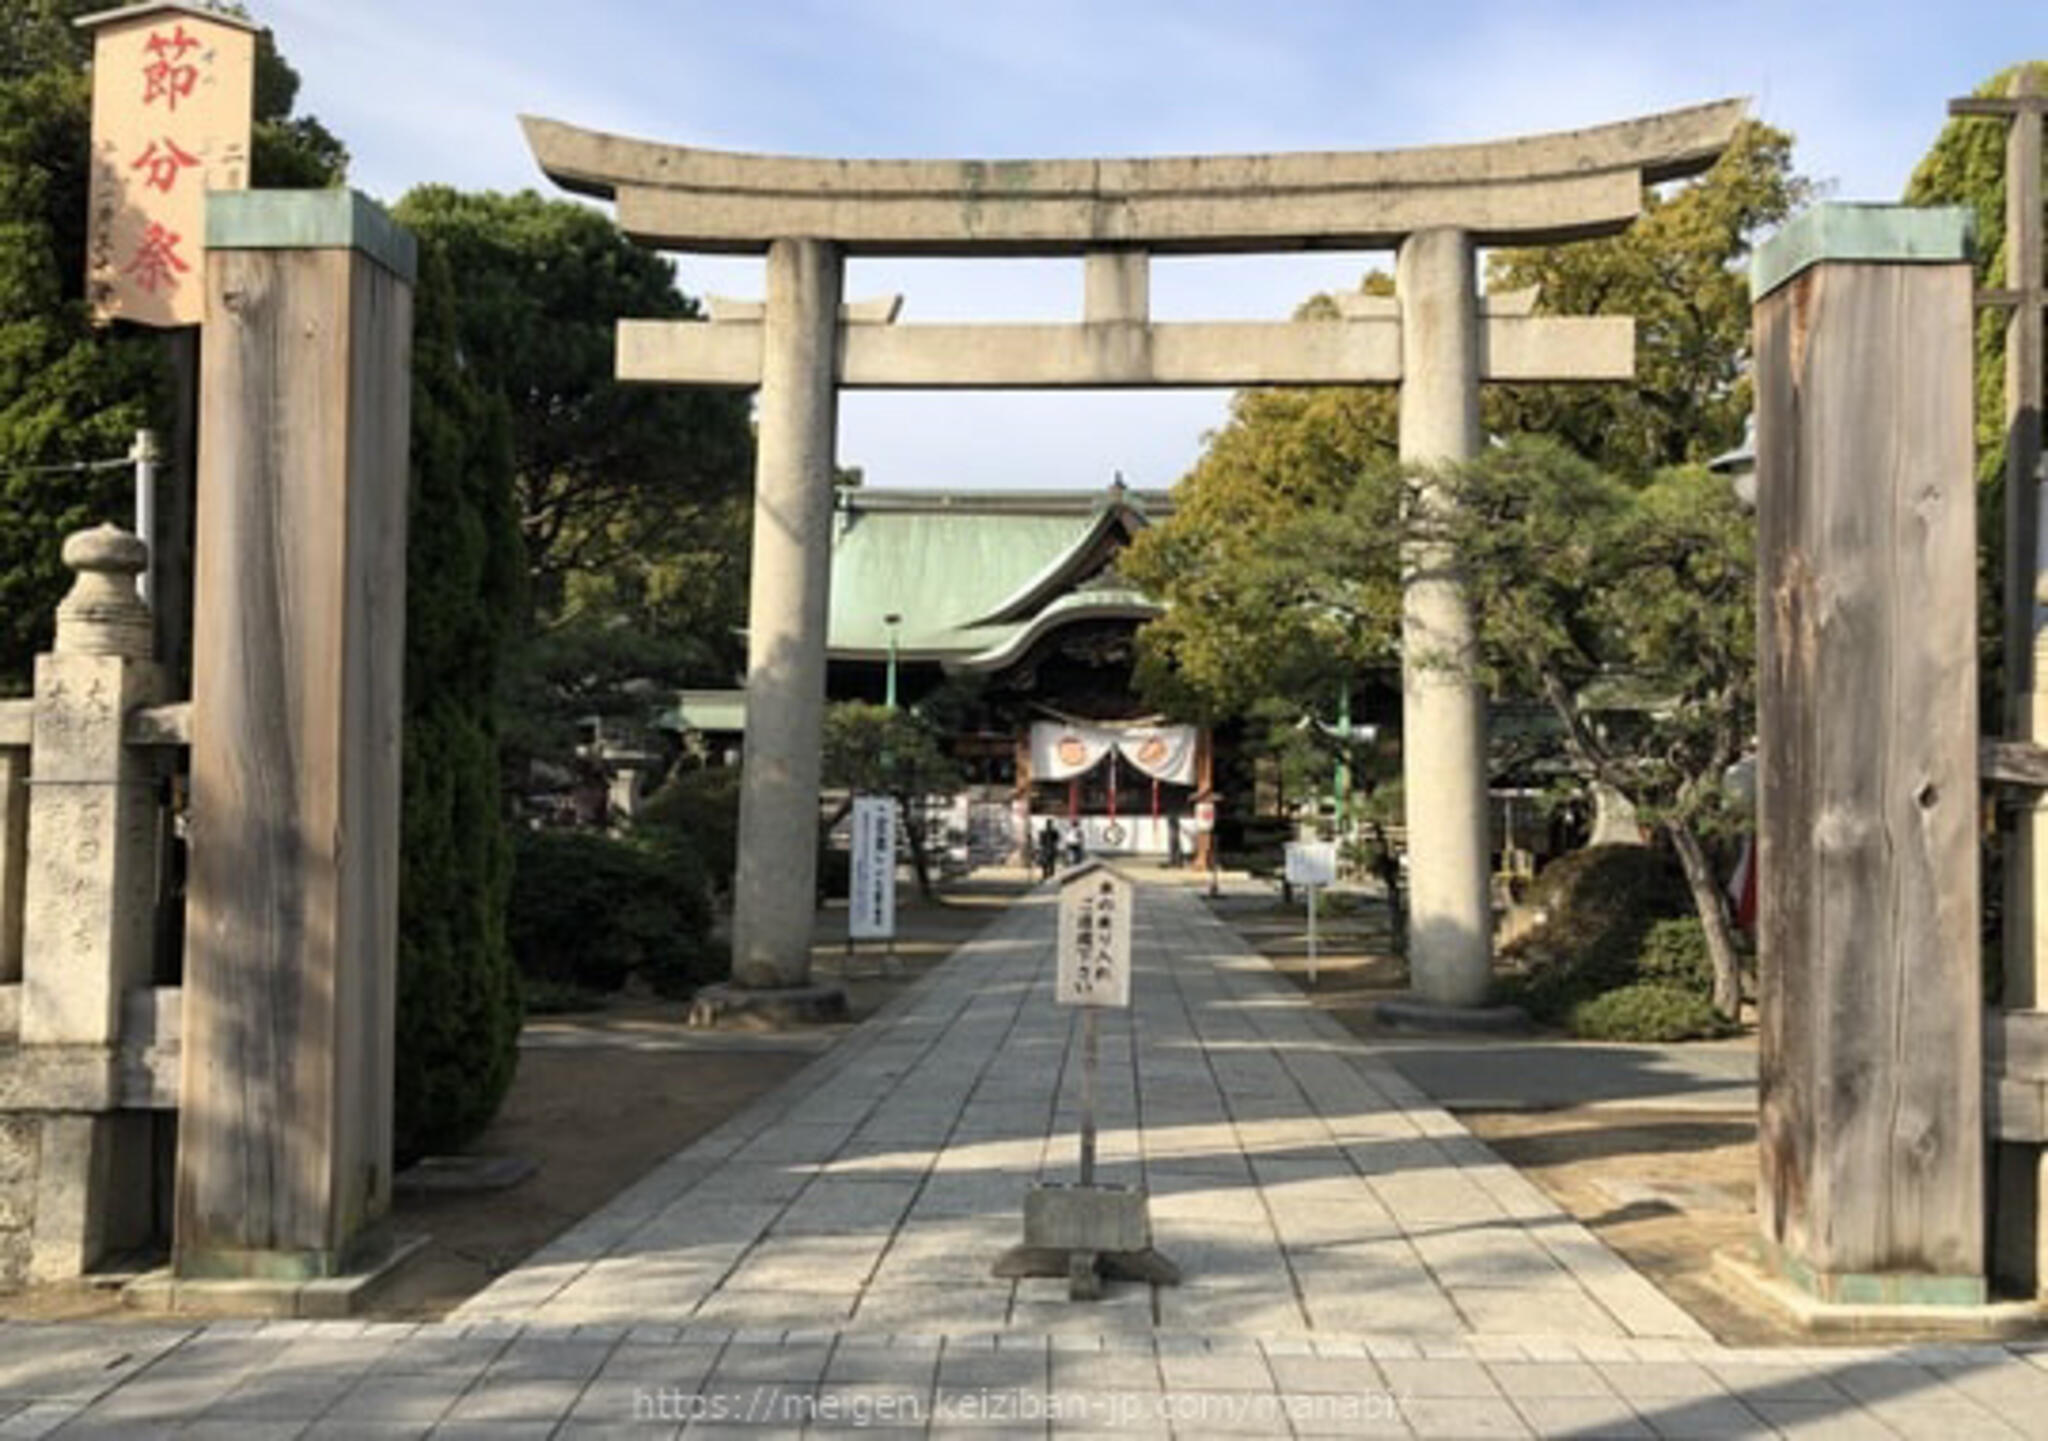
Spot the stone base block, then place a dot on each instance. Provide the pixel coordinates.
(1412, 1013)
(730, 1004)
(1088, 1234)
(463, 1175)
(1086, 1218)
(1742, 1270)
(327, 1298)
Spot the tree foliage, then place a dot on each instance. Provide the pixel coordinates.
(632, 500)
(872, 750)
(1966, 166)
(608, 474)
(458, 996)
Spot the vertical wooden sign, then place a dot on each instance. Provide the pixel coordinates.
(172, 97)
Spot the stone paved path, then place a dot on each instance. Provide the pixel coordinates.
(1303, 1189)
(1357, 1265)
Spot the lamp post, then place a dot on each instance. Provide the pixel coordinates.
(891, 620)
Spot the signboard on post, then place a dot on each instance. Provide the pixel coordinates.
(1312, 863)
(1095, 938)
(172, 96)
(871, 900)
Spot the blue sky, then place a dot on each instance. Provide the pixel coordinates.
(429, 91)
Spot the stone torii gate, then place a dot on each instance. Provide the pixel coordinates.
(1436, 339)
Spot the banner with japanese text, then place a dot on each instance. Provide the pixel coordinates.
(172, 97)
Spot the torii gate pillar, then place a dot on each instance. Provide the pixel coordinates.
(787, 608)
(1443, 707)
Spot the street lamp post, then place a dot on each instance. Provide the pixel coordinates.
(891, 620)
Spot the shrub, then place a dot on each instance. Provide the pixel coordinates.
(588, 910)
(1675, 952)
(701, 810)
(1599, 905)
(1647, 1011)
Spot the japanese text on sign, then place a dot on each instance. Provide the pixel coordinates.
(1095, 939)
(172, 97)
(871, 899)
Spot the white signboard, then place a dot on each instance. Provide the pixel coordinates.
(1312, 863)
(1095, 939)
(871, 900)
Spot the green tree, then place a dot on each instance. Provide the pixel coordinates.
(1630, 610)
(1966, 166)
(458, 989)
(606, 473)
(873, 750)
(1246, 621)
(632, 500)
(72, 395)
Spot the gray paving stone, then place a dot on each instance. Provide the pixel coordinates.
(1466, 1418)
(1821, 1420)
(1520, 1380)
(1594, 1418)
(1439, 1378)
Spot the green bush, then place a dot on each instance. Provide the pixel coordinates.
(1676, 952)
(699, 809)
(589, 910)
(1599, 906)
(1647, 1011)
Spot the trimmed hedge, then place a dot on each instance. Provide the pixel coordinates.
(1647, 1011)
(699, 810)
(590, 910)
(1619, 955)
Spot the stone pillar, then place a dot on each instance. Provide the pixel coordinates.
(92, 816)
(774, 890)
(87, 933)
(1443, 727)
(291, 925)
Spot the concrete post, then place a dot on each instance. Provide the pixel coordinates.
(91, 846)
(787, 608)
(1443, 728)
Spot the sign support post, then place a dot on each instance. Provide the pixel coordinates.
(1312, 864)
(1089, 1232)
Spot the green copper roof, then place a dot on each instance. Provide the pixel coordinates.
(945, 561)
